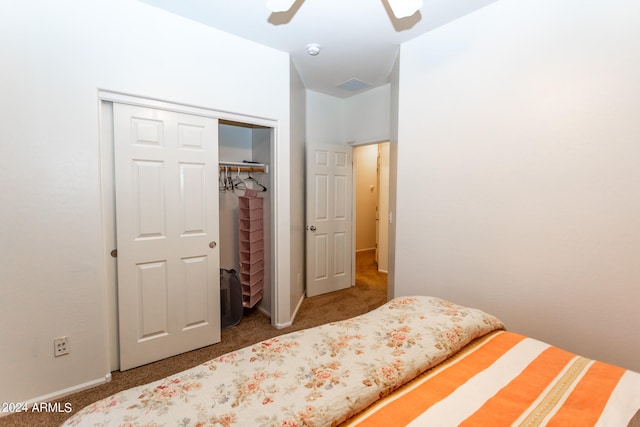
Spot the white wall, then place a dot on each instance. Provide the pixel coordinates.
(519, 170)
(383, 209)
(360, 119)
(367, 116)
(262, 152)
(394, 115)
(56, 56)
(325, 119)
(298, 138)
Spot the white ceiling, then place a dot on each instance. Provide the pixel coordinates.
(358, 38)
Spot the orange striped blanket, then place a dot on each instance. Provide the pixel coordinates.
(505, 379)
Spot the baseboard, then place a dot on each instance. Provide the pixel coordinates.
(295, 312)
(64, 392)
(263, 311)
(283, 325)
(293, 316)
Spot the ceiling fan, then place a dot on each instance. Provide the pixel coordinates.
(400, 8)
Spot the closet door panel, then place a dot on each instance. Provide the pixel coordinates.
(152, 288)
(148, 192)
(194, 279)
(193, 201)
(191, 137)
(166, 219)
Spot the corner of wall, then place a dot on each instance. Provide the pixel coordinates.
(298, 115)
(394, 87)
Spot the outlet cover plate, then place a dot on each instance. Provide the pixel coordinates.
(61, 346)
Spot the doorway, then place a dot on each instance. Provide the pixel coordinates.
(371, 206)
(109, 206)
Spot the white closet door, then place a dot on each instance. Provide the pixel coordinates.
(167, 229)
(329, 201)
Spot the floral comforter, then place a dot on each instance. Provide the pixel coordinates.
(316, 377)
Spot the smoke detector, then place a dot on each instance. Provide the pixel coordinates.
(313, 49)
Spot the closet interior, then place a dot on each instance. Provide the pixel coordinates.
(245, 186)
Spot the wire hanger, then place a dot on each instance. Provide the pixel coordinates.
(262, 187)
(222, 180)
(238, 182)
(228, 180)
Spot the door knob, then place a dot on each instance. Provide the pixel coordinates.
(312, 228)
(212, 244)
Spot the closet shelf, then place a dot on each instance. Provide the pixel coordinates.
(244, 167)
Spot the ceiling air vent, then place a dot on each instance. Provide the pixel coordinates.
(354, 85)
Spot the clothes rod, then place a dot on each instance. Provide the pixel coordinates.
(243, 167)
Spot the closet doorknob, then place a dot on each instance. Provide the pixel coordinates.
(312, 228)
(212, 244)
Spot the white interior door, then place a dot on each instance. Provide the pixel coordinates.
(329, 218)
(167, 229)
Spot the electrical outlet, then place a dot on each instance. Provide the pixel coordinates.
(61, 346)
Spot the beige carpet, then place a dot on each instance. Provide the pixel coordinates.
(370, 292)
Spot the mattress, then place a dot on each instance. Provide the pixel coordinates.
(417, 361)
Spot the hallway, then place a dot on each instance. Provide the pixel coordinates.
(367, 274)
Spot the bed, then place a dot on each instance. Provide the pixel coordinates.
(419, 361)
